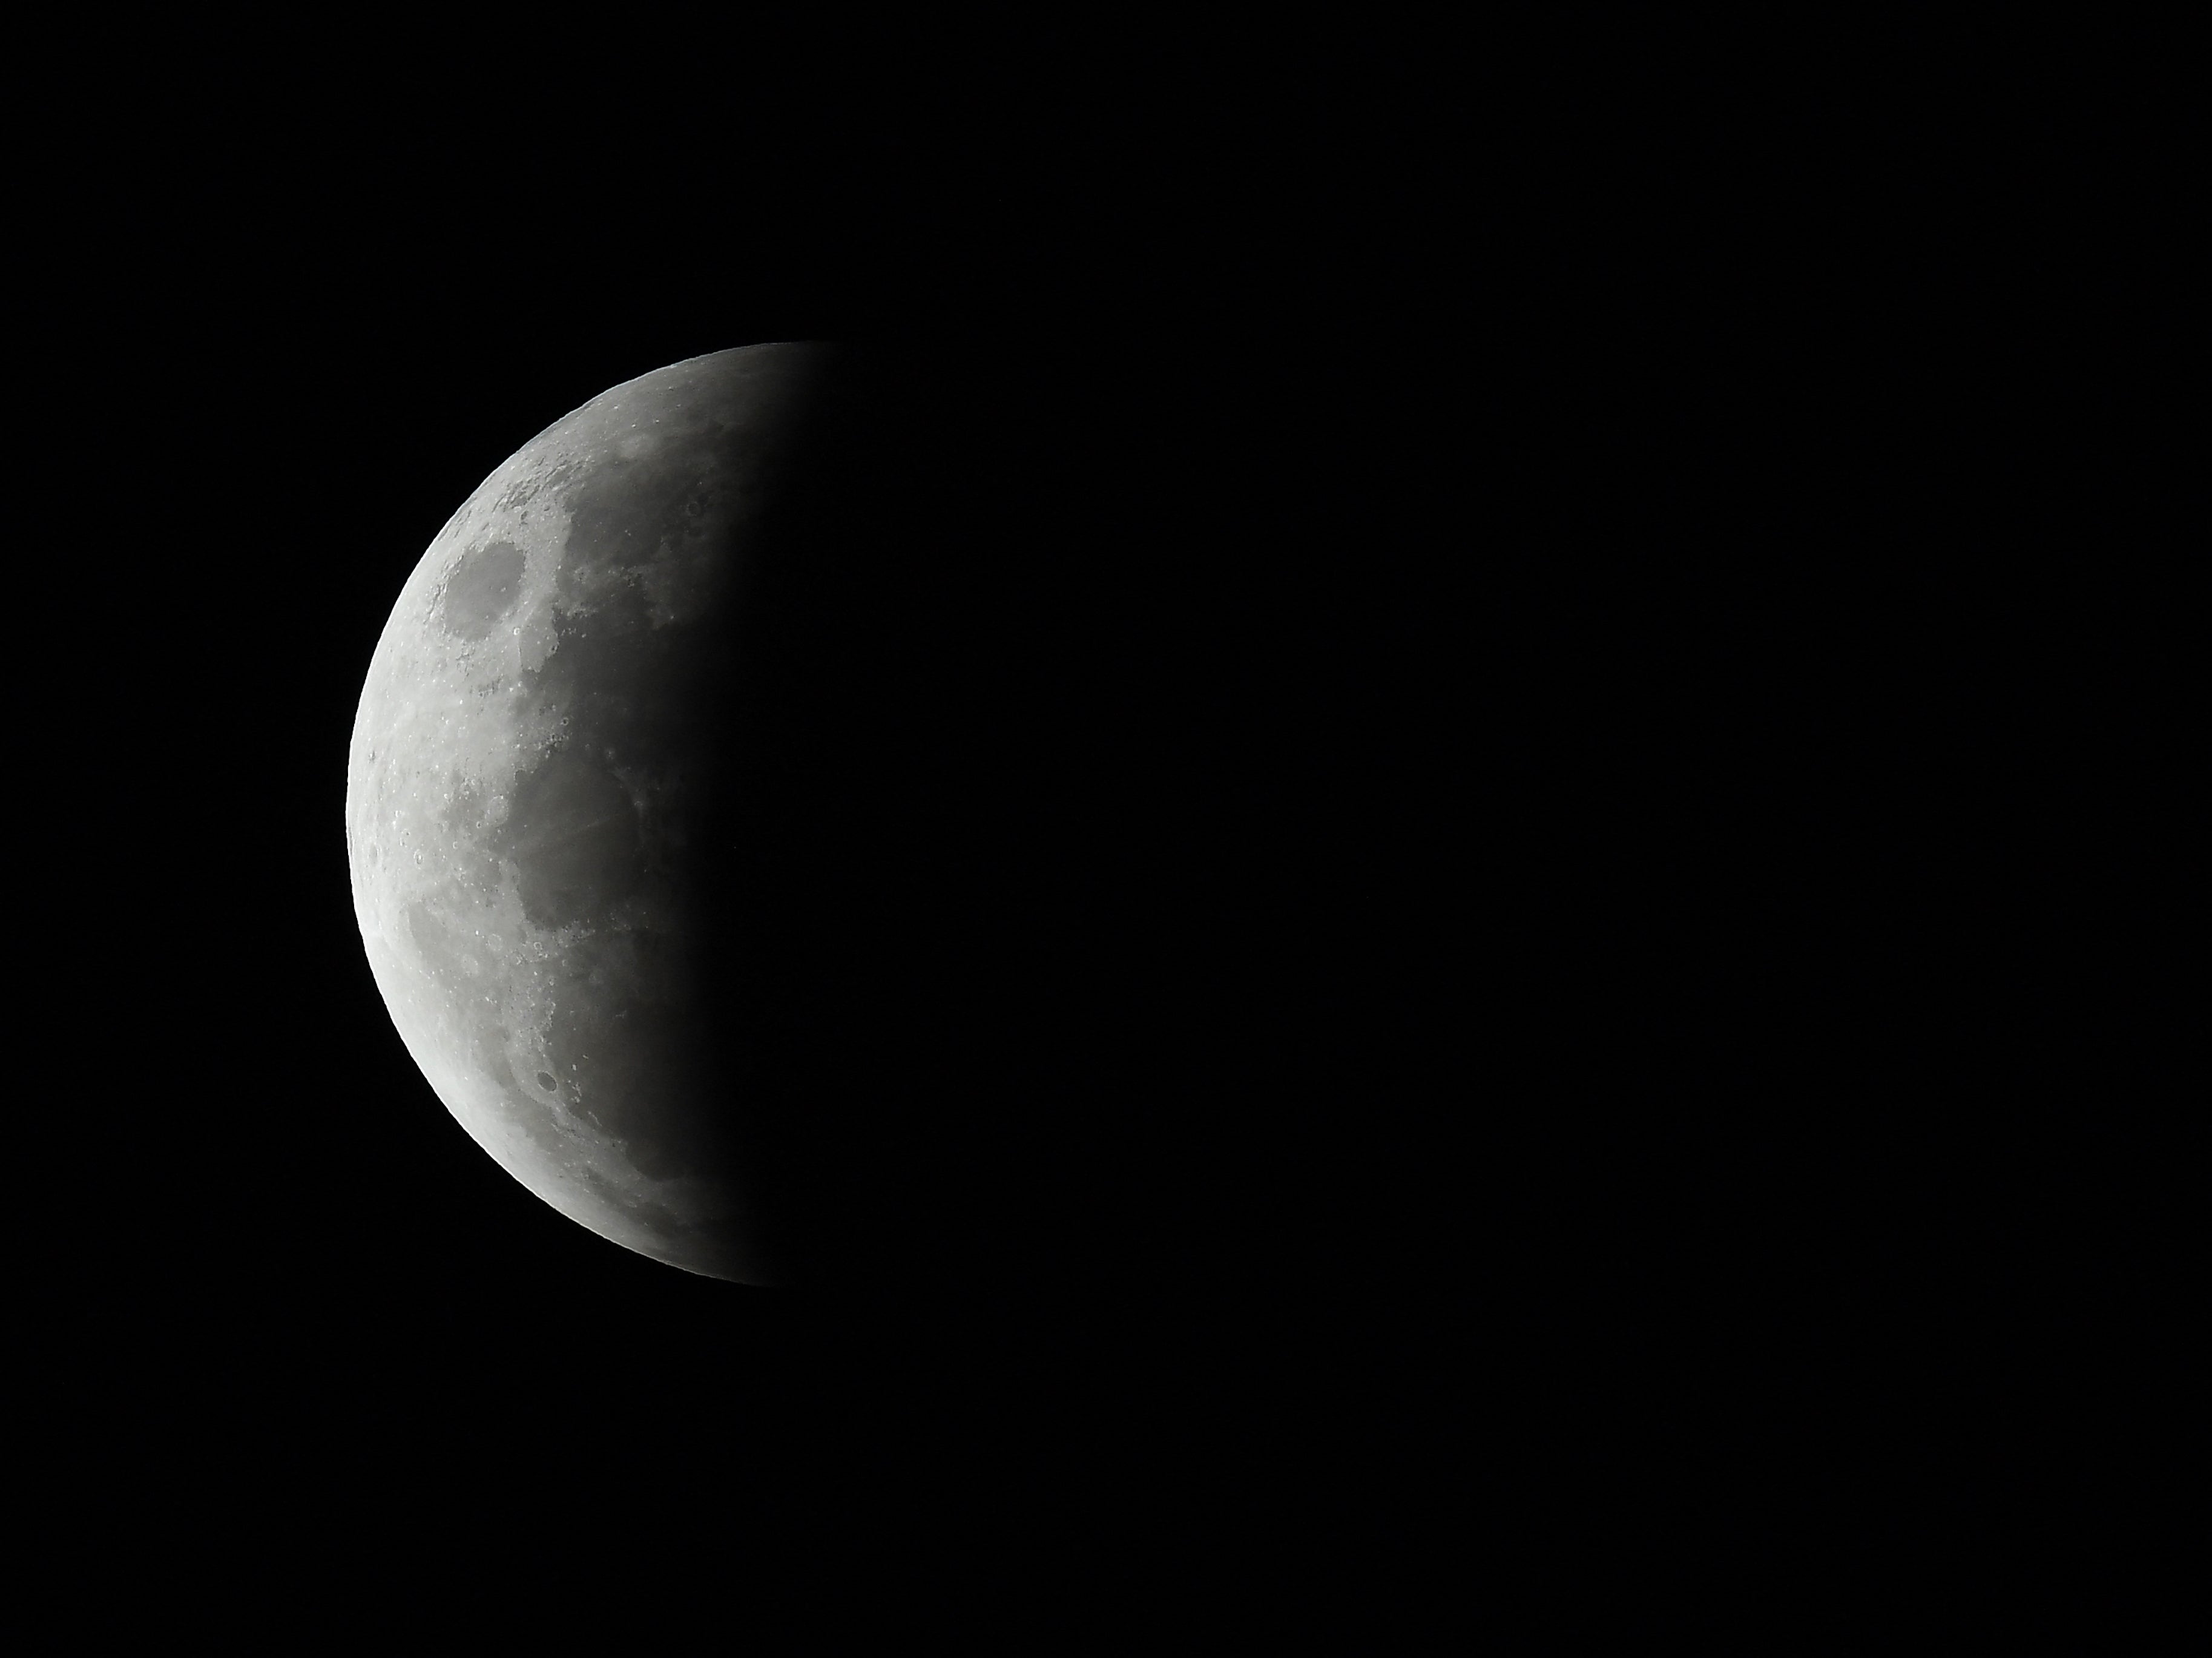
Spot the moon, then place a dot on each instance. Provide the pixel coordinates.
(532, 767)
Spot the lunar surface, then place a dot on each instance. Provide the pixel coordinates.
(527, 776)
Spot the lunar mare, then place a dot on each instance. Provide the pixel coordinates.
(527, 769)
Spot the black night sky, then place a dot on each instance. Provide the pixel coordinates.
(1340, 858)
(1180, 754)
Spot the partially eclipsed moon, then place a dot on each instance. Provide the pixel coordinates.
(525, 772)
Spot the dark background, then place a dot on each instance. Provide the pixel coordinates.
(1123, 790)
(1404, 811)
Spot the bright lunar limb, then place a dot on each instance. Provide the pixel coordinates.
(529, 762)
